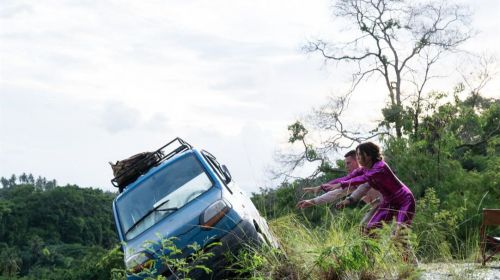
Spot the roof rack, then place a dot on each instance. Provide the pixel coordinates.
(154, 159)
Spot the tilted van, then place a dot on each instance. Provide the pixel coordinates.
(187, 197)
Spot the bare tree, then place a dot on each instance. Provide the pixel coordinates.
(329, 135)
(476, 74)
(400, 41)
(329, 117)
(291, 161)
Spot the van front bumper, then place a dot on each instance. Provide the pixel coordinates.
(243, 234)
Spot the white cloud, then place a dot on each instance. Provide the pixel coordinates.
(117, 117)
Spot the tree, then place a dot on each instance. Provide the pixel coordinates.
(23, 178)
(10, 261)
(31, 179)
(400, 41)
(12, 180)
(476, 74)
(291, 161)
(40, 183)
(5, 182)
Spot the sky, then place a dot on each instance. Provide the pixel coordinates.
(83, 83)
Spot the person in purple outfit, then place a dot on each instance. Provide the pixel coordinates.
(397, 199)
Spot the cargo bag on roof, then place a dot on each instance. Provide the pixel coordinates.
(128, 170)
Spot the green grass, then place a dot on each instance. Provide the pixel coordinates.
(336, 250)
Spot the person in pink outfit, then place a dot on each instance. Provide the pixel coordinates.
(397, 199)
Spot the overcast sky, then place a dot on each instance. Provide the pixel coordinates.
(87, 82)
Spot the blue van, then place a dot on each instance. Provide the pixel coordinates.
(190, 197)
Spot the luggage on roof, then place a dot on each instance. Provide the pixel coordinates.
(128, 170)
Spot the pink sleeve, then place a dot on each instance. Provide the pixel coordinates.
(354, 173)
(364, 177)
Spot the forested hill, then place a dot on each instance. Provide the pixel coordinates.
(53, 232)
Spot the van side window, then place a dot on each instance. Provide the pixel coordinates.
(217, 167)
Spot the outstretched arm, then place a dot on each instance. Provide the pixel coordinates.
(377, 170)
(360, 191)
(305, 203)
(330, 196)
(322, 199)
(330, 185)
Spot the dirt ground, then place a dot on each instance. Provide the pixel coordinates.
(458, 271)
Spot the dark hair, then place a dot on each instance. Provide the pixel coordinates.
(371, 150)
(351, 153)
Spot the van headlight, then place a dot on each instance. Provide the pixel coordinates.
(214, 213)
(139, 262)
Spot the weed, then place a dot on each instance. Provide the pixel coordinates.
(179, 264)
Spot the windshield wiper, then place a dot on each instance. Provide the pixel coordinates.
(168, 209)
(156, 208)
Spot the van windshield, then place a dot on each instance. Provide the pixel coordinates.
(161, 194)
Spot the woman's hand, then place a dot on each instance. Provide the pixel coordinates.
(313, 190)
(305, 203)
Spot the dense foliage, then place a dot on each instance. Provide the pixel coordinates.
(53, 232)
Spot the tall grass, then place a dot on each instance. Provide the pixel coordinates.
(336, 249)
(445, 235)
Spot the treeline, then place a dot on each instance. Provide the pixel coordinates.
(56, 232)
(452, 165)
(40, 183)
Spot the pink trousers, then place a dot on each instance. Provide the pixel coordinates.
(401, 206)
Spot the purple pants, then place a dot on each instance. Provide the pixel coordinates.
(400, 205)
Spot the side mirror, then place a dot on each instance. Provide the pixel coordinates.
(227, 174)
